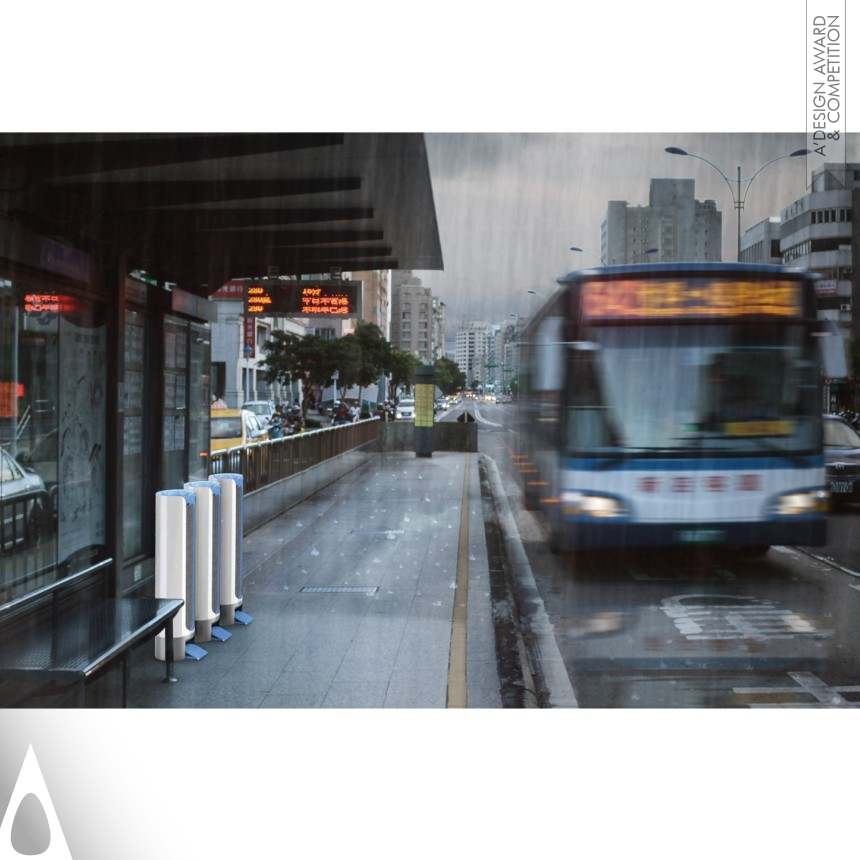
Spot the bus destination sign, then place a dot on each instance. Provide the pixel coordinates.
(331, 298)
(696, 298)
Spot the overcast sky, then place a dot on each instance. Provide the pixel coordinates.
(509, 206)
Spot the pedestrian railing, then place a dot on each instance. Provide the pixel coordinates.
(264, 463)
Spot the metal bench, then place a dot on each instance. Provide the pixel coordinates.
(51, 637)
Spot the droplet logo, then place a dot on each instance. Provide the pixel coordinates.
(30, 827)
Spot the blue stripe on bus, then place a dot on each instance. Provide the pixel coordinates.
(633, 463)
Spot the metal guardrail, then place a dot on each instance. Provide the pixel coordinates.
(264, 463)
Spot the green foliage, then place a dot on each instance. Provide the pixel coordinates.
(449, 377)
(309, 359)
(401, 370)
(359, 358)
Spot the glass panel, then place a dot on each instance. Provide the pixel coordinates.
(174, 416)
(738, 388)
(133, 434)
(199, 401)
(53, 364)
(82, 418)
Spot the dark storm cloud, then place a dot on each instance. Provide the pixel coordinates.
(510, 206)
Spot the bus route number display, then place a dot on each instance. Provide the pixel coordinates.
(673, 299)
(331, 298)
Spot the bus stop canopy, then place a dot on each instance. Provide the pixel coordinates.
(198, 209)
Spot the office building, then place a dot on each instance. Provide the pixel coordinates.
(673, 227)
(817, 233)
(417, 318)
(761, 243)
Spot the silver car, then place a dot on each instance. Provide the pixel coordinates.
(24, 504)
(406, 409)
(841, 459)
(263, 409)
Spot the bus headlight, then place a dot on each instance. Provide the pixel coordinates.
(801, 503)
(587, 505)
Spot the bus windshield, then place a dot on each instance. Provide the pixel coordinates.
(723, 388)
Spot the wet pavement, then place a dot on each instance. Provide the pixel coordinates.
(373, 593)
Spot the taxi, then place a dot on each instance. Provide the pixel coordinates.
(234, 428)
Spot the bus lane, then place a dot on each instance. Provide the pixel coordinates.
(695, 628)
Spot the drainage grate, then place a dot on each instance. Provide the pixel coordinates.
(340, 589)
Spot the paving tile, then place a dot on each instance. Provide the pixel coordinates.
(341, 650)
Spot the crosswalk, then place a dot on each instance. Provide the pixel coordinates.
(807, 691)
(702, 617)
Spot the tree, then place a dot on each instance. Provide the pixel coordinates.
(401, 370)
(449, 377)
(346, 354)
(310, 359)
(374, 352)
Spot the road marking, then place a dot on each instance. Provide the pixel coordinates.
(485, 421)
(735, 618)
(458, 696)
(676, 575)
(807, 684)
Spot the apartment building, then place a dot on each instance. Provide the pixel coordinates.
(417, 318)
(673, 227)
(819, 232)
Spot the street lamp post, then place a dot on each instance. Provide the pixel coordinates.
(643, 253)
(247, 352)
(584, 251)
(738, 198)
(603, 262)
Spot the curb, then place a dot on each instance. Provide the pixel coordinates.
(545, 660)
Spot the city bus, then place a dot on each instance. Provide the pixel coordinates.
(675, 404)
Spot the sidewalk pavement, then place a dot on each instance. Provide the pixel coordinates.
(373, 593)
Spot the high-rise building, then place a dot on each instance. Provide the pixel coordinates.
(417, 318)
(673, 227)
(375, 297)
(817, 233)
(760, 244)
(487, 353)
(472, 351)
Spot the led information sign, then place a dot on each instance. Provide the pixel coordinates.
(332, 298)
(51, 303)
(664, 298)
(35, 303)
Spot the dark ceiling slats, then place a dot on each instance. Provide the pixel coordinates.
(171, 221)
(200, 207)
(132, 196)
(56, 155)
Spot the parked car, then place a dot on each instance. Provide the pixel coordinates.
(841, 459)
(263, 409)
(24, 504)
(43, 459)
(406, 409)
(233, 428)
